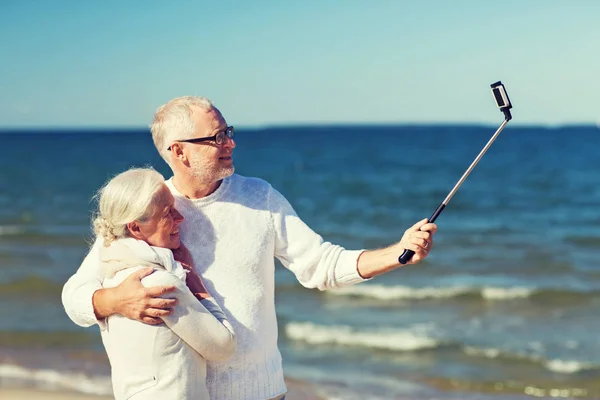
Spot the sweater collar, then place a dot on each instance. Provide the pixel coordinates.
(129, 252)
(214, 196)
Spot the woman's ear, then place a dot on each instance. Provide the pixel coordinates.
(135, 230)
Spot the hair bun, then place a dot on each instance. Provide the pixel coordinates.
(104, 229)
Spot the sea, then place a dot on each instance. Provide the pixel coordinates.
(505, 307)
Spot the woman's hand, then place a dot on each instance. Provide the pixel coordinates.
(183, 255)
(192, 279)
(194, 283)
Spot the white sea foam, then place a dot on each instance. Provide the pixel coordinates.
(342, 384)
(493, 293)
(484, 352)
(11, 230)
(383, 292)
(560, 366)
(48, 378)
(567, 366)
(386, 339)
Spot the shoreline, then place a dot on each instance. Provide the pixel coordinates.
(297, 390)
(14, 393)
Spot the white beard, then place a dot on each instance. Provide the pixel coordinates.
(208, 174)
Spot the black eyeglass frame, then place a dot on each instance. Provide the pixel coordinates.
(218, 138)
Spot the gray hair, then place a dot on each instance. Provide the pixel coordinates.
(129, 196)
(174, 121)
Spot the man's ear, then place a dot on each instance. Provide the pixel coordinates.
(135, 231)
(177, 152)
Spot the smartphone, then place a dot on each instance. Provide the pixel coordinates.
(500, 95)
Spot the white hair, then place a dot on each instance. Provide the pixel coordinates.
(129, 196)
(174, 121)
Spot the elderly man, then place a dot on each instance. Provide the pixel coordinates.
(234, 227)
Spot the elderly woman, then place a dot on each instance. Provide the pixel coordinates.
(138, 223)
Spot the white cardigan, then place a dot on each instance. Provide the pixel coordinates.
(164, 361)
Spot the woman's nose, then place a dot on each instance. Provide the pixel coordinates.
(178, 217)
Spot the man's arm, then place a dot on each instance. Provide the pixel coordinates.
(79, 289)
(134, 301)
(87, 303)
(418, 238)
(322, 265)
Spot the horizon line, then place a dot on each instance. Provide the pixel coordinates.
(310, 125)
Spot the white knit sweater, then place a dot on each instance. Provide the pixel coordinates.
(234, 235)
(166, 361)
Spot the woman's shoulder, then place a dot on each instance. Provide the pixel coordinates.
(161, 277)
(120, 276)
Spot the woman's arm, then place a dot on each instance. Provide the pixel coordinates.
(201, 324)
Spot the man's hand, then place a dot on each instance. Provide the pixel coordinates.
(418, 238)
(134, 301)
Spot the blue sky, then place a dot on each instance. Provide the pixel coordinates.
(111, 63)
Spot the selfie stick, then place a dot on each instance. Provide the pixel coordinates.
(504, 104)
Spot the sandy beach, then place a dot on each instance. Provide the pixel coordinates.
(297, 390)
(33, 394)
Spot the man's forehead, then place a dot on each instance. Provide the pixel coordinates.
(208, 118)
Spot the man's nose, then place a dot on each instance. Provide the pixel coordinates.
(229, 142)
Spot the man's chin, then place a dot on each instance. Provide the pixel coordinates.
(226, 172)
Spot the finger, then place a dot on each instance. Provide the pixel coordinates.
(157, 291)
(422, 235)
(414, 247)
(421, 243)
(429, 227)
(416, 227)
(185, 266)
(157, 313)
(138, 275)
(152, 321)
(419, 253)
(162, 304)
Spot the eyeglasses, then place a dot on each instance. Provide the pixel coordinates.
(219, 138)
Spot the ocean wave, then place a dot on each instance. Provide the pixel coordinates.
(15, 339)
(381, 339)
(332, 384)
(569, 366)
(46, 234)
(416, 339)
(387, 293)
(12, 230)
(584, 241)
(31, 286)
(498, 293)
(382, 292)
(53, 379)
(554, 365)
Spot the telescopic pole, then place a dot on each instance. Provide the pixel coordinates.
(504, 104)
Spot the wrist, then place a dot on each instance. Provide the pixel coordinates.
(103, 303)
(376, 262)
